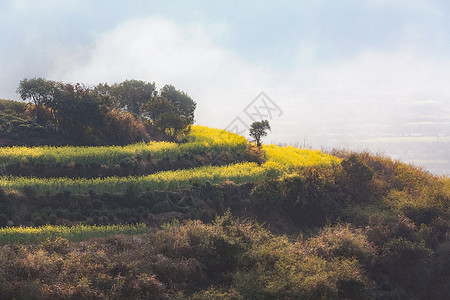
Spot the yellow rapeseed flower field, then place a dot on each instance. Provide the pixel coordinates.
(84, 155)
(289, 157)
(239, 173)
(279, 160)
(213, 137)
(201, 139)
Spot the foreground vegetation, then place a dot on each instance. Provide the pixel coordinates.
(187, 261)
(231, 259)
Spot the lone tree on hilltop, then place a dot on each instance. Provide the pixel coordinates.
(259, 129)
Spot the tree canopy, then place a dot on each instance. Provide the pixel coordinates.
(258, 130)
(130, 95)
(171, 111)
(83, 112)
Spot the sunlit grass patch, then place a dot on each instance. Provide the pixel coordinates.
(72, 233)
(239, 173)
(202, 139)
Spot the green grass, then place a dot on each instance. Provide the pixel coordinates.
(280, 160)
(200, 141)
(23, 235)
(239, 173)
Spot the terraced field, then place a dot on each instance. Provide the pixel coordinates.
(278, 161)
(202, 139)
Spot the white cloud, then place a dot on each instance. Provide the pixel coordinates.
(156, 49)
(317, 100)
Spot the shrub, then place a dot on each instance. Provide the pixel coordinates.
(59, 245)
(146, 286)
(357, 170)
(356, 178)
(400, 254)
(42, 114)
(285, 271)
(405, 261)
(311, 197)
(266, 193)
(421, 204)
(123, 128)
(343, 242)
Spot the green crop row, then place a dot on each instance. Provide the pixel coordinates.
(72, 233)
(239, 173)
(280, 160)
(201, 139)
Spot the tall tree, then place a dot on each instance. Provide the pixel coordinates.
(164, 116)
(39, 90)
(259, 129)
(172, 112)
(184, 104)
(77, 110)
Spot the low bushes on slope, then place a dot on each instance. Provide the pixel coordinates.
(192, 260)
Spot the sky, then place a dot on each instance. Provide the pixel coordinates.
(356, 74)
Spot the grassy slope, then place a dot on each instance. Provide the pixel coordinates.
(387, 236)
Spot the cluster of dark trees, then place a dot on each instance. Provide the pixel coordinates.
(121, 113)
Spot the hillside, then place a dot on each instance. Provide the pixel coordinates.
(215, 217)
